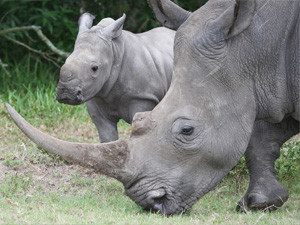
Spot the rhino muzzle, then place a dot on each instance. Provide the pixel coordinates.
(70, 99)
(156, 199)
(69, 96)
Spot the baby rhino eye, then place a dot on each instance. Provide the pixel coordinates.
(187, 130)
(95, 68)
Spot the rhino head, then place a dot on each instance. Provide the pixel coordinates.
(89, 67)
(194, 136)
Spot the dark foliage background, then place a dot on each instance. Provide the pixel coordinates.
(58, 19)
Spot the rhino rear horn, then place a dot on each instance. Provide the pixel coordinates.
(85, 22)
(107, 158)
(168, 13)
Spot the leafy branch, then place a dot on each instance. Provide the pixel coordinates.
(4, 68)
(41, 35)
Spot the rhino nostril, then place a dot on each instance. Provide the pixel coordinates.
(157, 199)
(79, 95)
(158, 204)
(158, 207)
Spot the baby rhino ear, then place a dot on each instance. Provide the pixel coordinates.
(113, 30)
(85, 22)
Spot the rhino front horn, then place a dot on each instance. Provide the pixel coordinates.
(109, 158)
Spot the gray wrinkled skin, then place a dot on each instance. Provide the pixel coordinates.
(117, 73)
(235, 87)
(235, 90)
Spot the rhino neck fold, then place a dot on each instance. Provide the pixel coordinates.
(118, 47)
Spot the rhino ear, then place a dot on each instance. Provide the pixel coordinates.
(113, 30)
(85, 22)
(235, 19)
(168, 13)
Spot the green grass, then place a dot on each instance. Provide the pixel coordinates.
(30, 89)
(101, 200)
(36, 187)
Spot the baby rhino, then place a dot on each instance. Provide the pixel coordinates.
(117, 73)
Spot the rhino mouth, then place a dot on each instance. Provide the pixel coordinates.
(158, 200)
(70, 99)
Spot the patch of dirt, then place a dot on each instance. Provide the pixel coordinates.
(48, 177)
(45, 171)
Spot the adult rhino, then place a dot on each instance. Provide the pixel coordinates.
(117, 73)
(235, 90)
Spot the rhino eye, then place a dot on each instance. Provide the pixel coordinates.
(187, 130)
(95, 68)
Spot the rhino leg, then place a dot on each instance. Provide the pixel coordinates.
(107, 127)
(264, 191)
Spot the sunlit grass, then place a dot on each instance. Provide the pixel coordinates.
(32, 92)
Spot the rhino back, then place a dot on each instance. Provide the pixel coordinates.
(147, 64)
(145, 73)
(271, 47)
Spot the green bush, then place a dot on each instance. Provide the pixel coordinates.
(288, 164)
(58, 20)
